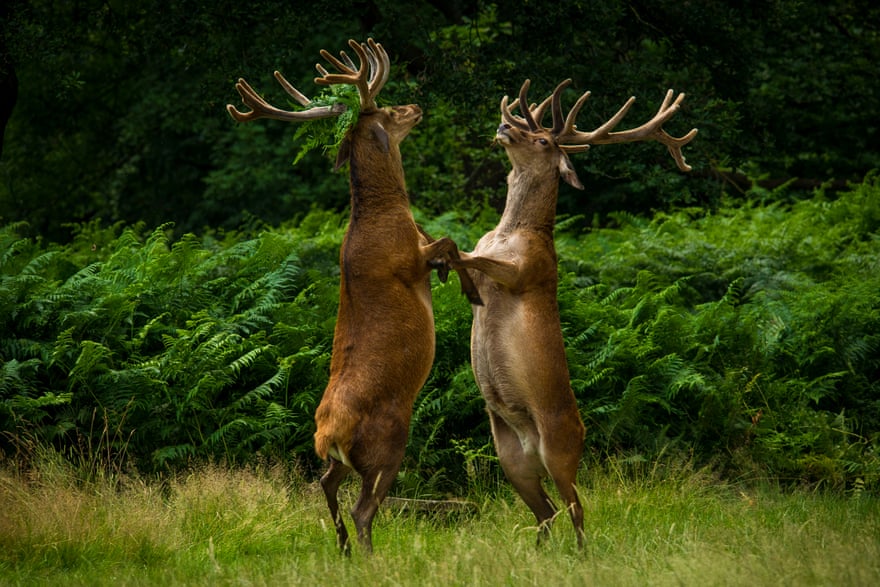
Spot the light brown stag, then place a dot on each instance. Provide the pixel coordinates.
(383, 344)
(517, 350)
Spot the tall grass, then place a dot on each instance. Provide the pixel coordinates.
(659, 524)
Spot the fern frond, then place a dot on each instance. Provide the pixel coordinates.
(94, 359)
(328, 133)
(176, 454)
(247, 360)
(11, 250)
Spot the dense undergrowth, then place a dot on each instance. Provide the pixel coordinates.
(747, 337)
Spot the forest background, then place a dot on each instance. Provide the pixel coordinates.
(168, 279)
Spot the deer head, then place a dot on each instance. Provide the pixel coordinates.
(534, 148)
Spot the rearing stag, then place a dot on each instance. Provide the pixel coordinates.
(517, 350)
(383, 343)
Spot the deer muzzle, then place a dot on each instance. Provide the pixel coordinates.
(502, 134)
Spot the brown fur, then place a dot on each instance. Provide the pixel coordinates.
(517, 349)
(383, 344)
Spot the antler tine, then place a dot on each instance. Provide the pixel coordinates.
(346, 66)
(538, 110)
(651, 130)
(348, 74)
(373, 63)
(534, 115)
(569, 126)
(535, 109)
(525, 122)
(509, 117)
(348, 62)
(556, 107)
(576, 141)
(382, 66)
(674, 145)
(293, 92)
(368, 78)
(646, 130)
(523, 106)
(262, 109)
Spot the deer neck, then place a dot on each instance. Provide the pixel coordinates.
(531, 202)
(377, 180)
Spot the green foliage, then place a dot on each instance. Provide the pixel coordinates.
(439, 184)
(327, 133)
(120, 106)
(747, 336)
(215, 347)
(742, 329)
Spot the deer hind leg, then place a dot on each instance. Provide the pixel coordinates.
(524, 470)
(561, 451)
(376, 484)
(330, 484)
(564, 478)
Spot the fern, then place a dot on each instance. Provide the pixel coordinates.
(748, 336)
(328, 133)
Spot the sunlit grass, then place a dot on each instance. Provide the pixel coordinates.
(266, 526)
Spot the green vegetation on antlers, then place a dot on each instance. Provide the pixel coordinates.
(327, 133)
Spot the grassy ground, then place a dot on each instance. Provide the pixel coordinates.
(218, 526)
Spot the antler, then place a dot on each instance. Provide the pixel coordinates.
(571, 140)
(262, 109)
(372, 56)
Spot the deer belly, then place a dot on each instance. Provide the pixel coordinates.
(503, 357)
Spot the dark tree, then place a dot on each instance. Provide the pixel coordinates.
(120, 111)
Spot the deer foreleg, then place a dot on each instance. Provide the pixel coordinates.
(504, 272)
(441, 255)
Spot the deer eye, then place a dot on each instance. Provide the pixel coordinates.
(543, 141)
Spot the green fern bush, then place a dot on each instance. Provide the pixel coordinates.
(746, 337)
(750, 335)
(201, 348)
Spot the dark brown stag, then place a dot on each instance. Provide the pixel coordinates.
(517, 350)
(383, 344)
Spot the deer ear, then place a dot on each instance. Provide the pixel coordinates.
(382, 136)
(567, 172)
(344, 153)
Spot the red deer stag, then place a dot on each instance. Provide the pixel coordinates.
(517, 349)
(383, 344)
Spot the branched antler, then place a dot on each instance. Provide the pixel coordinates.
(571, 140)
(368, 78)
(262, 109)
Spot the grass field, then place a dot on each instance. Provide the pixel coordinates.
(221, 526)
